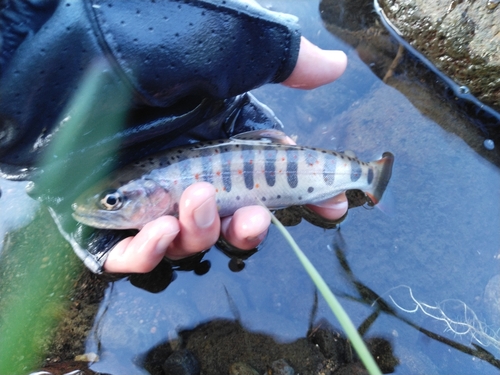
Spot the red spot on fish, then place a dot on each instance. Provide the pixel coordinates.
(217, 173)
(256, 186)
(197, 176)
(240, 171)
(175, 182)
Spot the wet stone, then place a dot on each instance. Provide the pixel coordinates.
(281, 367)
(240, 368)
(489, 144)
(459, 37)
(182, 362)
(330, 344)
(381, 349)
(87, 357)
(492, 4)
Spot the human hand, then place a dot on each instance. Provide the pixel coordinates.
(199, 225)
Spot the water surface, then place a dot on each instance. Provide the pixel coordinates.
(436, 236)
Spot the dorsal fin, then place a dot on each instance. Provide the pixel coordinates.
(263, 136)
(350, 154)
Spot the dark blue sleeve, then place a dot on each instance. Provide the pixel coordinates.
(170, 49)
(171, 54)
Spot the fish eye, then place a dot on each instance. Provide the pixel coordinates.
(111, 200)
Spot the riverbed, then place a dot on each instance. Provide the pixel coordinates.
(416, 273)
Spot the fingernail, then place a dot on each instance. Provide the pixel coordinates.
(342, 205)
(339, 61)
(335, 54)
(204, 215)
(259, 238)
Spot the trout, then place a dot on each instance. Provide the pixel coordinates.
(252, 168)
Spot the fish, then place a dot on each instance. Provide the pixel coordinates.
(258, 167)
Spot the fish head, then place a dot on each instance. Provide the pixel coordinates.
(130, 206)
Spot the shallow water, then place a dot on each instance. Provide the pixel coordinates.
(436, 236)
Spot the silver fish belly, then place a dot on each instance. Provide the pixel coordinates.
(243, 173)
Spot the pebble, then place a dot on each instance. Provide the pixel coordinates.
(464, 90)
(492, 4)
(87, 357)
(240, 368)
(181, 362)
(330, 344)
(281, 367)
(489, 144)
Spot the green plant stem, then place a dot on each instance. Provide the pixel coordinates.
(337, 309)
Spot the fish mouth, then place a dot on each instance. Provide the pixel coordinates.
(94, 220)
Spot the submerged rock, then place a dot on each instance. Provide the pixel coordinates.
(240, 368)
(181, 362)
(331, 344)
(281, 367)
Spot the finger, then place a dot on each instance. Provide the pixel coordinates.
(247, 228)
(145, 250)
(198, 219)
(316, 67)
(333, 208)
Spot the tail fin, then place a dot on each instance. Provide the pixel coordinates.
(383, 172)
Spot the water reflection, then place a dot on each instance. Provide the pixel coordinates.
(400, 65)
(441, 240)
(456, 318)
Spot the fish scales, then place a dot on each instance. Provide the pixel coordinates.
(246, 171)
(243, 173)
